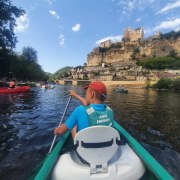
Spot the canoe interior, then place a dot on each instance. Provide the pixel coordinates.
(154, 170)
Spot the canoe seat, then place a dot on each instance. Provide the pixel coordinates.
(97, 145)
(105, 159)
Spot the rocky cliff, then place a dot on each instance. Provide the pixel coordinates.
(128, 52)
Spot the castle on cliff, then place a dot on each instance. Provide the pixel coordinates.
(133, 47)
(133, 35)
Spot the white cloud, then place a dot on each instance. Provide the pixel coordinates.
(112, 38)
(170, 6)
(61, 40)
(177, 28)
(138, 20)
(54, 14)
(33, 6)
(170, 24)
(49, 1)
(131, 5)
(76, 27)
(128, 8)
(22, 23)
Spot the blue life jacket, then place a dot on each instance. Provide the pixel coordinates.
(97, 118)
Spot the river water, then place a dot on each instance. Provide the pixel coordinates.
(27, 121)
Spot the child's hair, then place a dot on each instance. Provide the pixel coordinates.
(101, 97)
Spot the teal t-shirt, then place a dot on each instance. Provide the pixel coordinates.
(79, 116)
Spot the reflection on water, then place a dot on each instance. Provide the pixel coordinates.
(153, 118)
(27, 121)
(153, 114)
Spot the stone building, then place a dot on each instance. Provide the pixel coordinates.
(106, 77)
(141, 78)
(77, 74)
(105, 44)
(133, 35)
(160, 75)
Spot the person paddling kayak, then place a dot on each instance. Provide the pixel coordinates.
(92, 113)
(12, 84)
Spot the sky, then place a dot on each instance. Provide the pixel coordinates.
(64, 32)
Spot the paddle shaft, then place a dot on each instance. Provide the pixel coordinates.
(60, 124)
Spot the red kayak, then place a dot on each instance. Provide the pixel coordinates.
(18, 89)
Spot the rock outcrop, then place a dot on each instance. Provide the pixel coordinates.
(132, 48)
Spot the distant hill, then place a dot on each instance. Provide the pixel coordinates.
(63, 72)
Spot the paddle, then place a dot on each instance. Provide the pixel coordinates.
(60, 124)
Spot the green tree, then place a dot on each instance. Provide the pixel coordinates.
(62, 72)
(161, 63)
(176, 84)
(8, 15)
(8, 40)
(172, 53)
(166, 83)
(30, 54)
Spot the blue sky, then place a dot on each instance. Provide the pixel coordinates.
(63, 32)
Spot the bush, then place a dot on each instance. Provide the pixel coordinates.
(164, 83)
(148, 84)
(172, 53)
(176, 84)
(161, 63)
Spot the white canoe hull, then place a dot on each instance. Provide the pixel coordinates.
(125, 165)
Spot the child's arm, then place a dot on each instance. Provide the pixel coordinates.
(81, 99)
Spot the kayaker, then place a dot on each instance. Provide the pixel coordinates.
(92, 113)
(12, 84)
(46, 85)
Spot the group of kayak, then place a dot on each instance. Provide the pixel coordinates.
(13, 88)
(45, 86)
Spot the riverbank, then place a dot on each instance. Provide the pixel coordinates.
(107, 83)
(134, 84)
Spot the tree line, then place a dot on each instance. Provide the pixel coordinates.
(22, 66)
(169, 62)
(167, 83)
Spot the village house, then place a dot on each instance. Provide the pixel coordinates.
(160, 75)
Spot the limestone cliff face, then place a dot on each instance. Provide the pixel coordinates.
(159, 47)
(117, 55)
(130, 51)
(95, 58)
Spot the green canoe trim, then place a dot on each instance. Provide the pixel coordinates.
(51, 159)
(152, 165)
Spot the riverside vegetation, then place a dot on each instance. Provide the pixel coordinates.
(160, 63)
(23, 66)
(166, 83)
